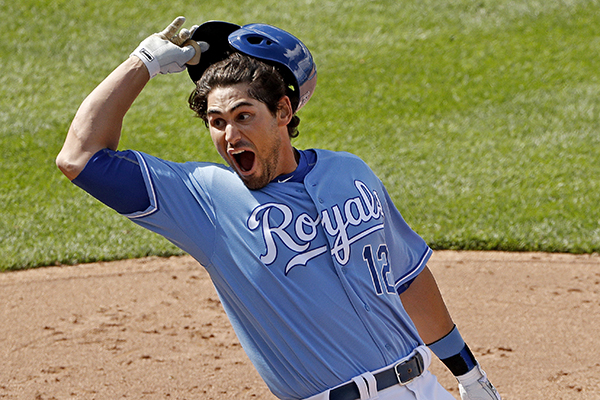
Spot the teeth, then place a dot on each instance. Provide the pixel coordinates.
(237, 152)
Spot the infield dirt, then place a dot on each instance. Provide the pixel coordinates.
(154, 329)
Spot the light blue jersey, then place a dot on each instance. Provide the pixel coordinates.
(307, 271)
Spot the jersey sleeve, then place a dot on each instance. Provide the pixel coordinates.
(165, 197)
(404, 242)
(181, 208)
(115, 179)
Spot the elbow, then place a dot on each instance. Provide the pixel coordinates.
(68, 166)
(73, 156)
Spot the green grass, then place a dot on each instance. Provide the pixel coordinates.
(480, 117)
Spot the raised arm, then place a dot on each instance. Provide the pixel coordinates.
(97, 123)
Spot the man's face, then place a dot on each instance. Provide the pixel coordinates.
(250, 139)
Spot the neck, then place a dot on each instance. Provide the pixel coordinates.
(290, 159)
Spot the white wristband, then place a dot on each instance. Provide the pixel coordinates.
(148, 59)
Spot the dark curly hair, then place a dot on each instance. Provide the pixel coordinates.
(265, 85)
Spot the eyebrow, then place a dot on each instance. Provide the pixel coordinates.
(238, 105)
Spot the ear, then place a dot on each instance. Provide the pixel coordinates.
(284, 111)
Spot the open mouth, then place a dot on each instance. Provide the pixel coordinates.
(244, 160)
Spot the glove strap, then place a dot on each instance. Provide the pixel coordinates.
(148, 59)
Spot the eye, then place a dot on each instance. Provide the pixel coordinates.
(218, 123)
(243, 117)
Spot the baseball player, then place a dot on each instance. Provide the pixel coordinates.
(326, 286)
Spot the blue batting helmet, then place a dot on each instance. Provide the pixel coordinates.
(264, 42)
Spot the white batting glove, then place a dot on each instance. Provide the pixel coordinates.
(162, 52)
(474, 385)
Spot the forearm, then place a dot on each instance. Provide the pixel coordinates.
(97, 123)
(424, 304)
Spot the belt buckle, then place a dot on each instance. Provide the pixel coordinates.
(419, 365)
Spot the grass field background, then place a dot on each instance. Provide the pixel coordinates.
(481, 117)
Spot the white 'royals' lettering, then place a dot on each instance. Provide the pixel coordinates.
(357, 210)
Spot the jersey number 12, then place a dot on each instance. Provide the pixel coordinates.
(379, 268)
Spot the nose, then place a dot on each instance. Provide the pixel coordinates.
(232, 134)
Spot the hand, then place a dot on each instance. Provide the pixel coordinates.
(168, 52)
(474, 385)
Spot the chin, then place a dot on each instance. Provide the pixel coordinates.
(255, 183)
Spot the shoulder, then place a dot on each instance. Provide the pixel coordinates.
(182, 168)
(204, 176)
(342, 162)
(329, 156)
(341, 172)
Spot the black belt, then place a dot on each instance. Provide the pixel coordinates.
(401, 373)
